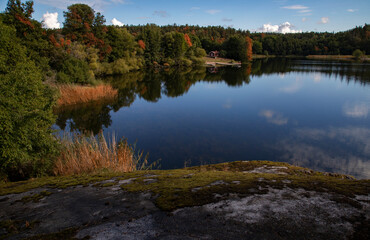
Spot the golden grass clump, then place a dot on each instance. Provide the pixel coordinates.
(87, 153)
(73, 94)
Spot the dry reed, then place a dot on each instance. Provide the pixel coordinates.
(73, 94)
(87, 154)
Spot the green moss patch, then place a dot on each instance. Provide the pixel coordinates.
(55, 182)
(196, 185)
(36, 197)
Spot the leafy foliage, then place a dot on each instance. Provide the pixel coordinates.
(26, 143)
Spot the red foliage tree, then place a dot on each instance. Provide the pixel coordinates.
(249, 48)
(188, 40)
(141, 44)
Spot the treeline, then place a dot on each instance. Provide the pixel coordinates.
(301, 44)
(86, 48)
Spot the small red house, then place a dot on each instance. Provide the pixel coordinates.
(214, 54)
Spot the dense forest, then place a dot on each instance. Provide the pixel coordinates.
(85, 49)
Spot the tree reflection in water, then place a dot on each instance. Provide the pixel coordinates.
(174, 82)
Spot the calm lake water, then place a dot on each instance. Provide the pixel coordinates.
(314, 114)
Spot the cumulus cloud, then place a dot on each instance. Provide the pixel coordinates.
(50, 20)
(324, 20)
(161, 13)
(116, 22)
(352, 10)
(274, 117)
(282, 28)
(213, 11)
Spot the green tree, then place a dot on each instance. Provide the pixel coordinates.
(236, 48)
(79, 20)
(257, 47)
(29, 31)
(26, 141)
(151, 35)
(121, 41)
(357, 54)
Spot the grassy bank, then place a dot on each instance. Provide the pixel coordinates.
(82, 154)
(337, 57)
(75, 94)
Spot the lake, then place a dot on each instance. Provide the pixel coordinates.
(308, 113)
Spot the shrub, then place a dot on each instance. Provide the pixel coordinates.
(200, 52)
(26, 141)
(357, 54)
(74, 70)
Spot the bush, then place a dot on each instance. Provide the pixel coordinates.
(357, 54)
(26, 141)
(200, 52)
(74, 70)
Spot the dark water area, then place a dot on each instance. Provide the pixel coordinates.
(309, 113)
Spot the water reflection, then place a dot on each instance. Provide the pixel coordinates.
(345, 150)
(278, 109)
(85, 117)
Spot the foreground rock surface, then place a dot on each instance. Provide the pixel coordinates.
(241, 200)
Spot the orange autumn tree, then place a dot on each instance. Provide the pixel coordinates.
(188, 40)
(141, 44)
(249, 48)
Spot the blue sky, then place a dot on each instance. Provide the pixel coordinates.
(257, 15)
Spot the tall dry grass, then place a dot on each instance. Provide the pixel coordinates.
(87, 154)
(73, 94)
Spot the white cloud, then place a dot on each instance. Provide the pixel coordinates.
(304, 19)
(227, 105)
(293, 88)
(161, 13)
(317, 77)
(274, 117)
(50, 20)
(116, 22)
(356, 110)
(301, 10)
(194, 8)
(282, 28)
(308, 147)
(296, 7)
(213, 11)
(324, 20)
(227, 20)
(352, 10)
